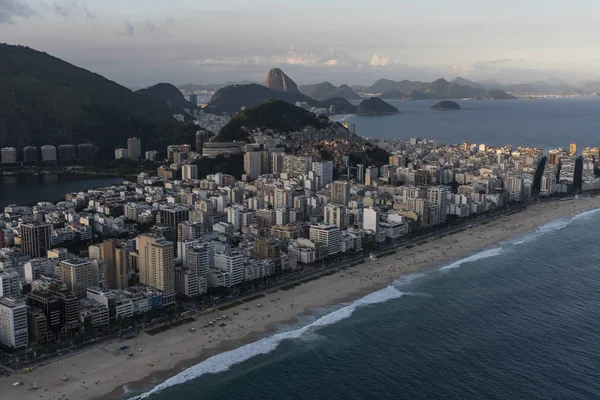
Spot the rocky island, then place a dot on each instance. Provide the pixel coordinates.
(446, 105)
(375, 106)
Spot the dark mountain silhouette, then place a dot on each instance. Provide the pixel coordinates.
(165, 94)
(326, 90)
(44, 100)
(277, 115)
(375, 106)
(438, 89)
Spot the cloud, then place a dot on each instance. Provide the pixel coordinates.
(67, 8)
(156, 30)
(9, 9)
(129, 30)
(487, 67)
(379, 61)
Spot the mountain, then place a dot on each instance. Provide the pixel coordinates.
(165, 94)
(554, 86)
(439, 89)
(303, 133)
(326, 90)
(466, 82)
(277, 115)
(375, 106)
(232, 98)
(44, 100)
(393, 95)
(278, 81)
(591, 87)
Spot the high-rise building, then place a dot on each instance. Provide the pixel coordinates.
(324, 170)
(185, 148)
(439, 196)
(30, 154)
(8, 155)
(78, 275)
(253, 164)
(189, 171)
(201, 259)
(48, 153)
(2, 240)
(188, 231)
(156, 264)
(173, 215)
(134, 148)
(35, 239)
(67, 152)
(340, 192)
(297, 165)
(360, 173)
(335, 214)
(277, 162)
(231, 262)
(116, 258)
(371, 219)
(51, 307)
(86, 151)
(10, 284)
(573, 149)
(328, 235)
(13, 323)
(371, 175)
(267, 249)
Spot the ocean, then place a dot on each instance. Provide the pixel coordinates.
(516, 321)
(546, 123)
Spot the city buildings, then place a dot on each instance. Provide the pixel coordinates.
(8, 155)
(13, 323)
(340, 192)
(189, 171)
(30, 154)
(134, 148)
(35, 239)
(48, 153)
(156, 264)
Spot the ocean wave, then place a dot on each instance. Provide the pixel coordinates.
(407, 279)
(585, 214)
(222, 362)
(478, 256)
(555, 226)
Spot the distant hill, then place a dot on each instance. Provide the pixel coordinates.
(277, 115)
(326, 90)
(192, 87)
(375, 106)
(165, 94)
(44, 100)
(232, 98)
(466, 82)
(439, 89)
(393, 95)
(591, 87)
(446, 105)
(277, 80)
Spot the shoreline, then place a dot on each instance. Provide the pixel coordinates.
(101, 372)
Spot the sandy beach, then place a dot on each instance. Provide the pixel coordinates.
(102, 372)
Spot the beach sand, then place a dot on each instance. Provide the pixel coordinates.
(102, 371)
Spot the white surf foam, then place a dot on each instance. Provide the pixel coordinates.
(555, 226)
(222, 362)
(478, 256)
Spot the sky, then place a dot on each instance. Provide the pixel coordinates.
(142, 42)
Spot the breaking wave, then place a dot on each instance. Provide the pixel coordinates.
(222, 362)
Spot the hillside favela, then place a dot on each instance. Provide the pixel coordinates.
(401, 228)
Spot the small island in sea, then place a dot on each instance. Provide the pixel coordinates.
(446, 105)
(375, 106)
